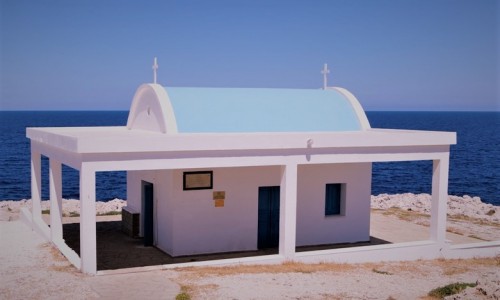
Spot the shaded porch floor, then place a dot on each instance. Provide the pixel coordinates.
(116, 250)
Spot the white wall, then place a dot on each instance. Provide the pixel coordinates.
(163, 210)
(313, 227)
(134, 190)
(188, 223)
(200, 227)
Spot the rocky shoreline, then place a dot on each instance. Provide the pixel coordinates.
(467, 206)
(471, 207)
(9, 209)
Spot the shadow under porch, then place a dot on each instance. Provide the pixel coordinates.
(116, 250)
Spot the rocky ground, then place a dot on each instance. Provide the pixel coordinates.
(9, 209)
(464, 206)
(467, 216)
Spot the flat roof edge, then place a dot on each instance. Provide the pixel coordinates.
(52, 139)
(121, 140)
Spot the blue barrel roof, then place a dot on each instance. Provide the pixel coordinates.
(222, 110)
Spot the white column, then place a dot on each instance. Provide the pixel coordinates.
(88, 254)
(36, 185)
(288, 210)
(439, 204)
(56, 229)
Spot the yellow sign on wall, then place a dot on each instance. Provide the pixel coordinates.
(219, 197)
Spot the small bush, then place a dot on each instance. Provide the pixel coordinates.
(450, 289)
(381, 272)
(477, 237)
(110, 213)
(183, 296)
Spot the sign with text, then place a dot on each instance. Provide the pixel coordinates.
(200, 180)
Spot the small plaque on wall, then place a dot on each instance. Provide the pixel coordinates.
(219, 203)
(200, 180)
(219, 197)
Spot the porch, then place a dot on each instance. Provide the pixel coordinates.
(118, 252)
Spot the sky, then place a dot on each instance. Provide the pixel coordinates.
(441, 55)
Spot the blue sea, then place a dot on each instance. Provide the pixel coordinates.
(474, 161)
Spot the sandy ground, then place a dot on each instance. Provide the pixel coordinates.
(32, 269)
(336, 281)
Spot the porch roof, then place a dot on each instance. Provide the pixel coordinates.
(82, 140)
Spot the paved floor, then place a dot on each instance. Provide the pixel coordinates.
(392, 229)
(115, 250)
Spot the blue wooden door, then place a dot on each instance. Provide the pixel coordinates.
(269, 217)
(148, 213)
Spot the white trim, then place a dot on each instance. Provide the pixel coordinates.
(288, 211)
(409, 251)
(179, 162)
(88, 242)
(152, 99)
(356, 105)
(439, 204)
(120, 140)
(168, 111)
(263, 259)
(36, 184)
(55, 191)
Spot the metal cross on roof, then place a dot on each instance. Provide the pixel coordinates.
(325, 72)
(155, 69)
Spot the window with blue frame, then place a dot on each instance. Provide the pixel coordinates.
(333, 199)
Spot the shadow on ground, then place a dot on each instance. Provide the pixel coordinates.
(116, 250)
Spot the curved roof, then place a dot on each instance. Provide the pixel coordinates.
(221, 110)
